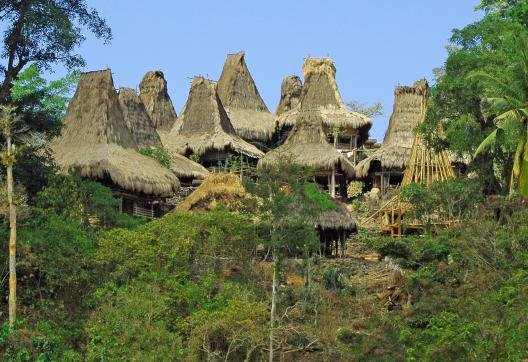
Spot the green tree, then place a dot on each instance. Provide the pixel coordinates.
(289, 206)
(45, 32)
(507, 100)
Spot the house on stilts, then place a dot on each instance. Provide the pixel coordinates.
(345, 129)
(204, 130)
(385, 167)
(307, 146)
(334, 226)
(96, 143)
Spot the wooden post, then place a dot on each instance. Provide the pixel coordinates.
(332, 182)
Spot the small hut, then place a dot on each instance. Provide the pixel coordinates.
(224, 189)
(291, 88)
(320, 93)
(155, 97)
(384, 168)
(96, 142)
(307, 146)
(334, 227)
(137, 120)
(205, 130)
(240, 97)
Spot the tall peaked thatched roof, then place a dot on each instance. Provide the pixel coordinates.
(155, 97)
(96, 141)
(337, 218)
(137, 119)
(204, 125)
(408, 111)
(307, 146)
(320, 93)
(291, 89)
(217, 189)
(241, 99)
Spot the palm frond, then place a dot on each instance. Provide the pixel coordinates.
(489, 141)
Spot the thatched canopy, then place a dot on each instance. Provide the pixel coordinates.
(241, 99)
(185, 168)
(291, 89)
(96, 141)
(217, 189)
(320, 93)
(137, 120)
(307, 146)
(155, 97)
(408, 112)
(204, 125)
(337, 218)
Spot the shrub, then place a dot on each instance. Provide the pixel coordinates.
(332, 279)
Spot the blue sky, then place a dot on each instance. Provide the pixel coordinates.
(375, 44)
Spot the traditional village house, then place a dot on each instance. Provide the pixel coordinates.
(204, 129)
(334, 227)
(240, 97)
(384, 168)
(307, 146)
(158, 104)
(145, 135)
(291, 88)
(96, 142)
(345, 129)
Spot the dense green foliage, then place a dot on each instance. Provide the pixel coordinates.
(468, 292)
(464, 105)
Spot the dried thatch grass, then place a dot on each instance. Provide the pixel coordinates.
(307, 146)
(155, 97)
(241, 99)
(204, 126)
(183, 167)
(337, 218)
(96, 141)
(291, 89)
(320, 93)
(137, 119)
(409, 103)
(217, 189)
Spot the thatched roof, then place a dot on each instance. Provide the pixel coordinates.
(320, 93)
(307, 146)
(291, 89)
(96, 141)
(217, 189)
(155, 97)
(337, 218)
(241, 99)
(183, 167)
(204, 125)
(137, 119)
(408, 112)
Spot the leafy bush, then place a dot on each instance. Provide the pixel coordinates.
(159, 153)
(130, 323)
(443, 200)
(180, 243)
(332, 279)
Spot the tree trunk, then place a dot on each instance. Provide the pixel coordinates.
(273, 305)
(12, 238)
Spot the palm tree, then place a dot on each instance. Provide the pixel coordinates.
(508, 100)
